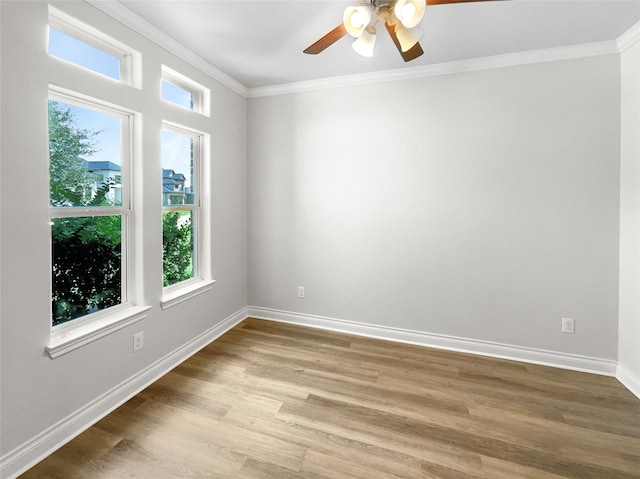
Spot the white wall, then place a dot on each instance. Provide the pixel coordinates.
(37, 391)
(629, 333)
(481, 205)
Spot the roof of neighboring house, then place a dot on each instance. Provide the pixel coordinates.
(172, 180)
(101, 165)
(171, 174)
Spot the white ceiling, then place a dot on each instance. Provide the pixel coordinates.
(259, 43)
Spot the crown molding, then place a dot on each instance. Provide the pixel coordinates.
(121, 13)
(629, 38)
(462, 66)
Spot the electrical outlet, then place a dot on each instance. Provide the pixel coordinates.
(568, 325)
(138, 341)
(301, 292)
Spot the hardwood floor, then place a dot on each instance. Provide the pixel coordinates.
(277, 401)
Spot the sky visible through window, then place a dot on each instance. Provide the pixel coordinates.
(177, 154)
(177, 95)
(75, 51)
(108, 141)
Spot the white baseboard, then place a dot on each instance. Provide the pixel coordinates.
(606, 367)
(33, 451)
(628, 379)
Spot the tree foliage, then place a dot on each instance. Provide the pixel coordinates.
(86, 269)
(177, 247)
(69, 180)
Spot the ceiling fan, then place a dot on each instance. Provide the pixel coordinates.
(400, 17)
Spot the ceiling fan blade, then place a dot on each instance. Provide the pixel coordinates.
(411, 54)
(326, 41)
(444, 2)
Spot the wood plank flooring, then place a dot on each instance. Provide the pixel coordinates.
(277, 401)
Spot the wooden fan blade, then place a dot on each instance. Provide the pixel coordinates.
(326, 41)
(411, 54)
(444, 2)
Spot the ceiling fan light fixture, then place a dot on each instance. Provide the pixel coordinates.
(409, 12)
(408, 37)
(365, 43)
(356, 19)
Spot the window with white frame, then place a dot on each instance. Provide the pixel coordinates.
(182, 91)
(71, 49)
(181, 204)
(90, 185)
(90, 205)
(177, 95)
(83, 45)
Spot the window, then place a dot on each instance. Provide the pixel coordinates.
(71, 49)
(89, 144)
(90, 185)
(94, 273)
(85, 46)
(182, 91)
(181, 153)
(174, 94)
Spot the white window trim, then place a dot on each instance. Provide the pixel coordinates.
(201, 94)
(130, 59)
(125, 210)
(84, 330)
(185, 290)
(202, 281)
(108, 322)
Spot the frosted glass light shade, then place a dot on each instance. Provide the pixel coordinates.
(408, 37)
(365, 43)
(409, 12)
(356, 19)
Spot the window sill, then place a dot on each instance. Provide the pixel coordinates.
(73, 338)
(177, 296)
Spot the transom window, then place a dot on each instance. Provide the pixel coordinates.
(69, 48)
(177, 95)
(85, 46)
(182, 91)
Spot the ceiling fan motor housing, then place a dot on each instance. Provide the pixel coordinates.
(407, 12)
(376, 4)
